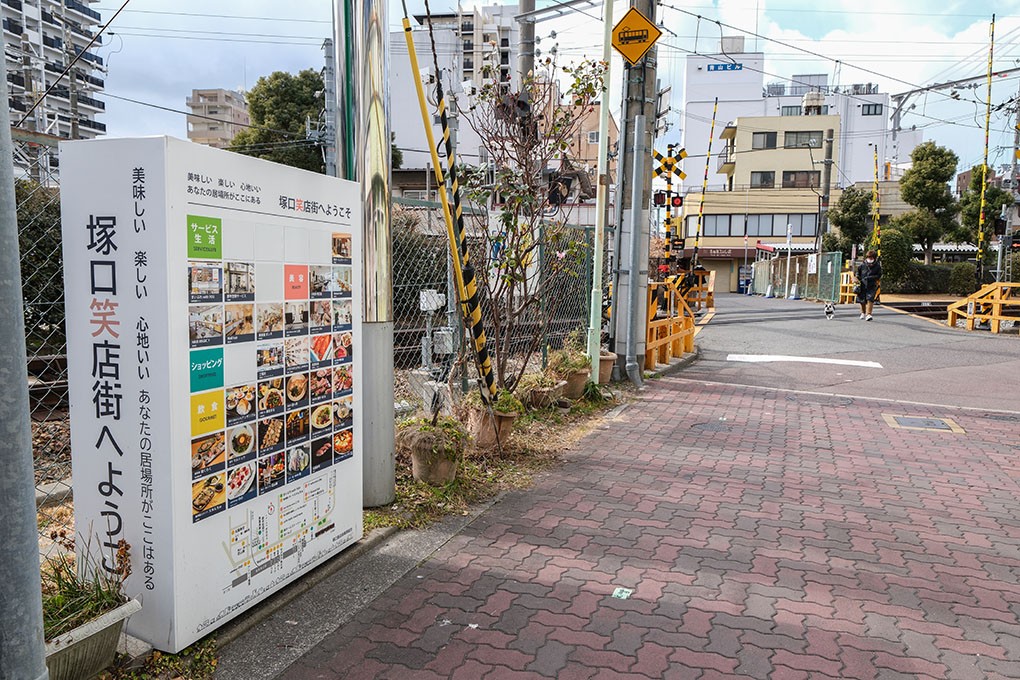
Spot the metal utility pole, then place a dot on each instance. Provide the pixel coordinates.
(372, 168)
(328, 138)
(22, 652)
(1006, 274)
(984, 163)
(639, 99)
(343, 133)
(526, 58)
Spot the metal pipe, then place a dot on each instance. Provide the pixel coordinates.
(21, 626)
(601, 199)
(621, 142)
(343, 24)
(637, 186)
(372, 165)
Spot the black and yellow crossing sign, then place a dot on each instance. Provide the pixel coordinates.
(669, 165)
(634, 35)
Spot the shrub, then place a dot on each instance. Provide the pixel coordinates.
(505, 401)
(897, 252)
(922, 278)
(963, 279)
(1015, 266)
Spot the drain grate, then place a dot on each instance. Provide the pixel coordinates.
(923, 423)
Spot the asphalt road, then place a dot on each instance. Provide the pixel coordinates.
(920, 360)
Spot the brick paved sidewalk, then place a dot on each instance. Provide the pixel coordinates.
(764, 534)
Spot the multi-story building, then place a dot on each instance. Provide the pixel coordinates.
(218, 116)
(42, 37)
(736, 78)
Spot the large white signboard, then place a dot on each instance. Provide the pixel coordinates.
(213, 305)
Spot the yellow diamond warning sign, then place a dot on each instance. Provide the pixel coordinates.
(634, 35)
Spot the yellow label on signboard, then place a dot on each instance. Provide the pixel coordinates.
(207, 412)
(634, 35)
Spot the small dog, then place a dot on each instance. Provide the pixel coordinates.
(830, 310)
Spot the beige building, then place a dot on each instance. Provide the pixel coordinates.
(773, 166)
(223, 113)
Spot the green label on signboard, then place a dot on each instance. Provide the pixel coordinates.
(205, 237)
(206, 369)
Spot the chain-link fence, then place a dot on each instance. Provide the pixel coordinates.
(814, 276)
(527, 307)
(37, 192)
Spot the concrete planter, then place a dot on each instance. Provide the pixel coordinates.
(431, 469)
(82, 653)
(485, 432)
(606, 363)
(541, 397)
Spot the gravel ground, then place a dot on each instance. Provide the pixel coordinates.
(51, 449)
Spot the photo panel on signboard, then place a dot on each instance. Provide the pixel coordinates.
(208, 455)
(295, 282)
(269, 320)
(270, 435)
(271, 401)
(320, 387)
(239, 322)
(296, 352)
(272, 471)
(322, 351)
(342, 248)
(343, 445)
(322, 419)
(343, 412)
(343, 347)
(206, 369)
(241, 445)
(208, 412)
(343, 379)
(295, 317)
(239, 281)
(342, 281)
(299, 462)
(296, 390)
(205, 325)
(241, 404)
(320, 281)
(241, 484)
(269, 359)
(322, 452)
(298, 427)
(205, 281)
(208, 496)
(343, 315)
(321, 316)
(205, 237)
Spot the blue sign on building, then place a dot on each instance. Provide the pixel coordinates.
(726, 67)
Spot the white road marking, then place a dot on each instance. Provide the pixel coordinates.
(764, 358)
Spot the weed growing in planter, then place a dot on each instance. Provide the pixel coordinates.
(75, 594)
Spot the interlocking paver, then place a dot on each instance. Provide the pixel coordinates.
(798, 538)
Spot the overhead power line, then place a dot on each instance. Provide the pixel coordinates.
(225, 16)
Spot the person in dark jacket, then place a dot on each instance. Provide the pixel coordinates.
(868, 274)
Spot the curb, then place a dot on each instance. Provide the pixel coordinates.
(53, 493)
(676, 366)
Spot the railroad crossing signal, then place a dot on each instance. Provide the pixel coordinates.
(670, 164)
(634, 35)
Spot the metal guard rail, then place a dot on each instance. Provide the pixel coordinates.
(670, 335)
(994, 303)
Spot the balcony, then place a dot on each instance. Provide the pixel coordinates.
(78, 7)
(88, 56)
(89, 101)
(92, 125)
(14, 4)
(16, 105)
(55, 43)
(15, 79)
(13, 26)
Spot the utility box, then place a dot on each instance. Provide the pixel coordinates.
(431, 300)
(442, 341)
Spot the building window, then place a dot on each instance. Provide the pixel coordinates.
(871, 110)
(213, 112)
(764, 179)
(759, 225)
(803, 225)
(801, 179)
(716, 225)
(763, 140)
(809, 138)
(593, 137)
(790, 111)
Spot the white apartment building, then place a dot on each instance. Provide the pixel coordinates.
(736, 78)
(219, 115)
(42, 37)
(465, 42)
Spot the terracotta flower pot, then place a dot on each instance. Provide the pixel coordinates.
(606, 363)
(575, 384)
(541, 397)
(485, 433)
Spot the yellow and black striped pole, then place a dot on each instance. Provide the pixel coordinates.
(704, 185)
(464, 273)
(669, 212)
(876, 231)
(984, 164)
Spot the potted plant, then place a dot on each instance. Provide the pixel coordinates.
(84, 609)
(486, 430)
(571, 364)
(607, 360)
(540, 390)
(436, 447)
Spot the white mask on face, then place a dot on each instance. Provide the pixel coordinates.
(869, 261)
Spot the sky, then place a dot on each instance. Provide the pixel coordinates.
(161, 49)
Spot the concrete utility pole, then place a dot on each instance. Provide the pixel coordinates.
(639, 98)
(372, 167)
(1006, 272)
(823, 226)
(328, 138)
(22, 652)
(526, 58)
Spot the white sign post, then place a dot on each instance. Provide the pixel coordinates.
(213, 306)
